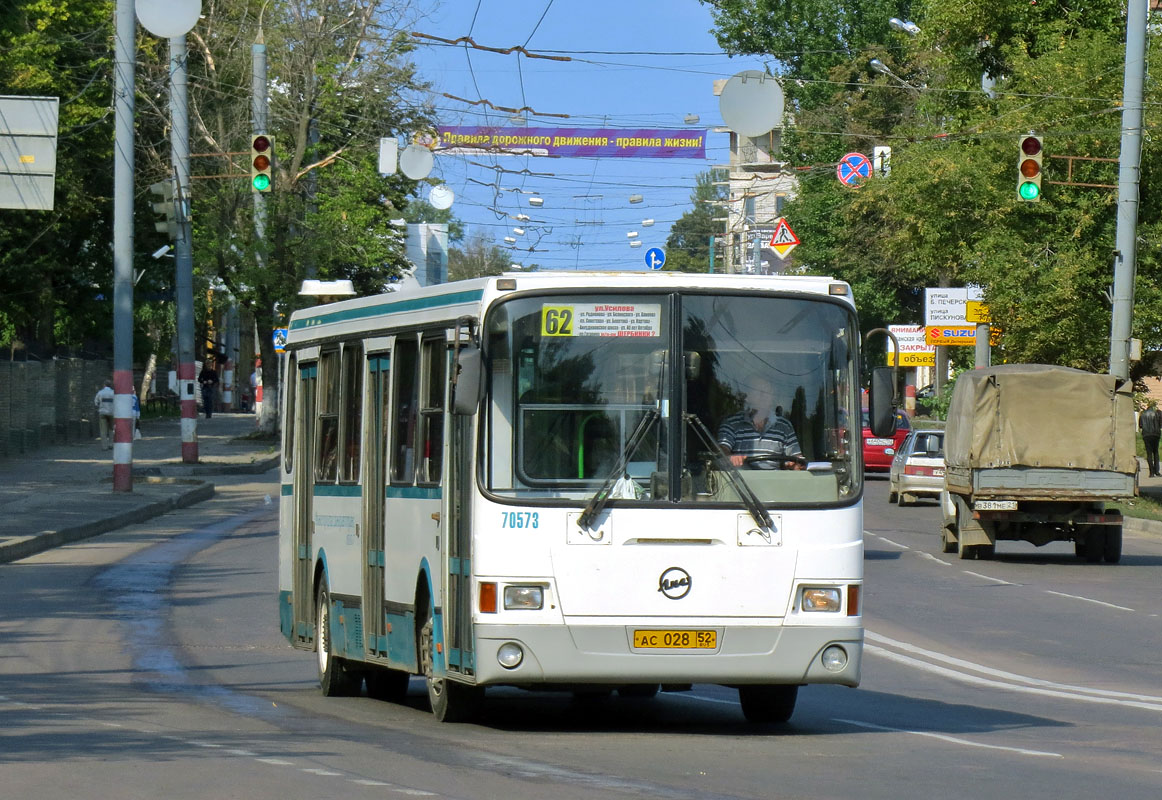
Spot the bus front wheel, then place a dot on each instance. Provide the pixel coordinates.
(773, 703)
(450, 701)
(336, 678)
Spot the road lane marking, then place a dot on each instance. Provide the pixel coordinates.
(326, 773)
(953, 739)
(275, 762)
(988, 578)
(931, 557)
(961, 670)
(893, 544)
(1088, 600)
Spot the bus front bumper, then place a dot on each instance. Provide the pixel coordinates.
(604, 654)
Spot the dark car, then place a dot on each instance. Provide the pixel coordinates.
(878, 452)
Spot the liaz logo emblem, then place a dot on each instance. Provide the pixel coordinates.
(674, 583)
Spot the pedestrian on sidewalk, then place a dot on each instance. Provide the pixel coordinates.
(209, 380)
(103, 402)
(136, 416)
(1150, 423)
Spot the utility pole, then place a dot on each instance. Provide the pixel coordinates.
(183, 250)
(1129, 170)
(125, 53)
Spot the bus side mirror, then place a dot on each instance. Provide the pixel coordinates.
(881, 415)
(469, 387)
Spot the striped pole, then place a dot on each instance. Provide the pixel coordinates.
(124, 23)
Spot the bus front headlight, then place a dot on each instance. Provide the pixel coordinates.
(817, 598)
(524, 597)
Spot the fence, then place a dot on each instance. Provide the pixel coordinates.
(48, 402)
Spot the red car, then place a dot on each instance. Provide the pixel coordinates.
(879, 452)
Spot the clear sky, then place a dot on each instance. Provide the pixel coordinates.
(635, 64)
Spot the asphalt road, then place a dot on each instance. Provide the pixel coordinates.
(147, 663)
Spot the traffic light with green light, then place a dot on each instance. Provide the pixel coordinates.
(1029, 169)
(261, 152)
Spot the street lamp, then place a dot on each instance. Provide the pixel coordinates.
(904, 26)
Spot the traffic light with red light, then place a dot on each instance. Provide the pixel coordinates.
(1029, 169)
(261, 155)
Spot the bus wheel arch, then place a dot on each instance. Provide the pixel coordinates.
(337, 678)
(451, 700)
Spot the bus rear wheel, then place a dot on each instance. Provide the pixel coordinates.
(450, 701)
(384, 683)
(771, 703)
(336, 678)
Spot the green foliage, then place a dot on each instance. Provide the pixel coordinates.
(948, 215)
(477, 259)
(688, 246)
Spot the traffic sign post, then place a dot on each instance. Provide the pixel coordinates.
(655, 258)
(853, 169)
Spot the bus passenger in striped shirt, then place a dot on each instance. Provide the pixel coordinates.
(760, 429)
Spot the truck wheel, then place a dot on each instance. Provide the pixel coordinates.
(1094, 545)
(1112, 551)
(947, 543)
(770, 703)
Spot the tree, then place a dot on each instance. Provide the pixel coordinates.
(477, 259)
(688, 246)
(340, 80)
(56, 266)
(948, 214)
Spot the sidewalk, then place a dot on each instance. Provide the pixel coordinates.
(64, 493)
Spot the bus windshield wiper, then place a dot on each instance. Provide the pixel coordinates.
(598, 501)
(753, 504)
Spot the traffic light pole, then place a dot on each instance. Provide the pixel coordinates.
(124, 23)
(183, 246)
(1129, 169)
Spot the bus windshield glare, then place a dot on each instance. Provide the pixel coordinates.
(677, 397)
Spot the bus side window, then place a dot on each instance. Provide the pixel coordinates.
(326, 457)
(432, 410)
(403, 395)
(352, 409)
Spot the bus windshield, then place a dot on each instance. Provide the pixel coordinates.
(681, 395)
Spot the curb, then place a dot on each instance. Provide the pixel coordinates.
(210, 468)
(1138, 525)
(25, 546)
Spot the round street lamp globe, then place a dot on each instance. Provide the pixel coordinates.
(169, 18)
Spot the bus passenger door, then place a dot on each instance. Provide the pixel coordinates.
(374, 484)
(458, 621)
(304, 459)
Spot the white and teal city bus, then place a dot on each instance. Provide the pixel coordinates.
(517, 481)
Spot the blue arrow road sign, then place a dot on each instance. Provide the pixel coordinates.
(853, 169)
(655, 257)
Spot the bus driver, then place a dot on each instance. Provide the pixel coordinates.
(760, 429)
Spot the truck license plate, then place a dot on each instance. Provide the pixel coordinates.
(995, 505)
(675, 640)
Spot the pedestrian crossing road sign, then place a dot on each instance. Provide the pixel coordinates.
(784, 240)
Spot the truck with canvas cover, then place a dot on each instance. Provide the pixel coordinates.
(1035, 453)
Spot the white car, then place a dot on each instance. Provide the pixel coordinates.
(918, 468)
